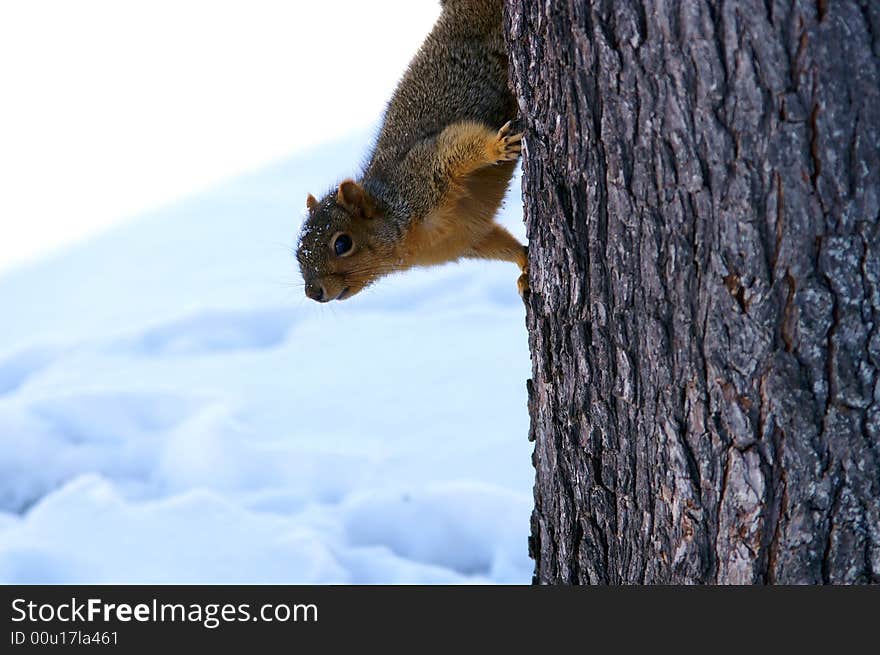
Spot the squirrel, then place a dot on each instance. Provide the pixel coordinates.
(438, 172)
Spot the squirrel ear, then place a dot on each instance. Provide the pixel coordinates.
(311, 203)
(355, 199)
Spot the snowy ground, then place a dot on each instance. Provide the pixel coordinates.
(173, 410)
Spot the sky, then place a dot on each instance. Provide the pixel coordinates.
(114, 108)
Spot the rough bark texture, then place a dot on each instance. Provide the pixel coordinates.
(701, 185)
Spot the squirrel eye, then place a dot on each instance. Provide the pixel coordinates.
(342, 244)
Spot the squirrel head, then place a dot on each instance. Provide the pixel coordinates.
(341, 250)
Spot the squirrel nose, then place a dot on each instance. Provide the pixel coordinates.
(315, 291)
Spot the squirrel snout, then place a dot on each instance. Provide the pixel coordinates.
(315, 291)
(327, 290)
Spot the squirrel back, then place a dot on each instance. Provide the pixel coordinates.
(459, 73)
(438, 170)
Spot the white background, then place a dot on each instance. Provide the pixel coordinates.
(114, 107)
(172, 408)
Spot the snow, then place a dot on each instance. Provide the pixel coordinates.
(173, 410)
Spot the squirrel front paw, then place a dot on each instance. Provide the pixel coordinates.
(522, 285)
(507, 146)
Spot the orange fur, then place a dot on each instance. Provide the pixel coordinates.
(479, 162)
(463, 221)
(475, 164)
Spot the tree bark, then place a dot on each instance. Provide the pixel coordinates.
(701, 183)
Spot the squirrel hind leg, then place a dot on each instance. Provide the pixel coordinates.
(506, 144)
(468, 146)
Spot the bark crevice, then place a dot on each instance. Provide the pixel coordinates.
(701, 187)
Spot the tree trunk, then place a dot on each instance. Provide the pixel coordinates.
(701, 186)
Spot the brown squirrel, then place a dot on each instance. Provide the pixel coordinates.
(437, 173)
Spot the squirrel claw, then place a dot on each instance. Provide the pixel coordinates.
(522, 285)
(508, 146)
